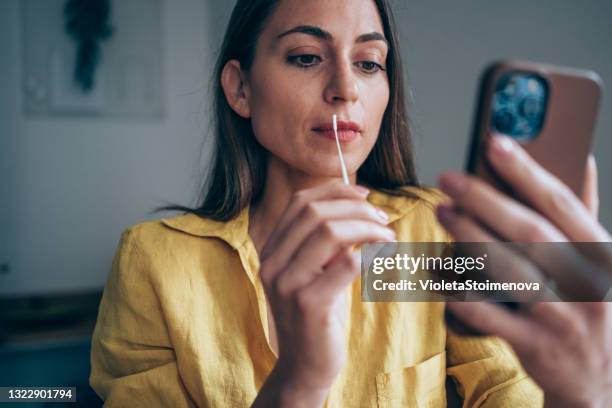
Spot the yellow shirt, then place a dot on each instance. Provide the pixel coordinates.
(183, 323)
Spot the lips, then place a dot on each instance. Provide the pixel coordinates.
(347, 130)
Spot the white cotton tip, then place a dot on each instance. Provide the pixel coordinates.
(335, 124)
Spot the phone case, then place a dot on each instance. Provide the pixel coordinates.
(565, 138)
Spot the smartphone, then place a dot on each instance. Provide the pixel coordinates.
(550, 110)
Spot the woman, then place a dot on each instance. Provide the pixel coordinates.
(254, 297)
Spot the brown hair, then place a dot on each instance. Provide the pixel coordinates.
(239, 161)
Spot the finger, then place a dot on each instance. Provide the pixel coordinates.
(544, 191)
(504, 264)
(311, 216)
(501, 214)
(461, 227)
(494, 320)
(322, 245)
(339, 273)
(599, 315)
(590, 194)
(559, 317)
(573, 267)
(328, 191)
(559, 261)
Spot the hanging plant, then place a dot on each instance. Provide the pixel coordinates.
(87, 23)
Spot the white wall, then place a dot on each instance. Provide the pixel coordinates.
(69, 186)
(446, 44)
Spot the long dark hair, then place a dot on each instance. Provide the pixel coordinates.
(239, 169)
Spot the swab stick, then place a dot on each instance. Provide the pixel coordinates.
(344, 172)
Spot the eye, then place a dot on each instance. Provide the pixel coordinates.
(370, 67)
(304, 60)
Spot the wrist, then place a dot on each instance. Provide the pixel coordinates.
(294, 374)
(300, 397)
(295, 391)
(281, 390)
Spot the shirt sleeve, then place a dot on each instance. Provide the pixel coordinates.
(488, 373)
(132, 360)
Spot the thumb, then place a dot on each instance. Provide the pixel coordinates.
(590, 194)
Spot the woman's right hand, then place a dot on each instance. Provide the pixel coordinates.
(306, 265)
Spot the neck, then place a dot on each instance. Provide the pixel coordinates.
(282, 181)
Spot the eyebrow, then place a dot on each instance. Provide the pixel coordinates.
(325, 35)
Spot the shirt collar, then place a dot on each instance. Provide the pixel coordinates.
(235, 231)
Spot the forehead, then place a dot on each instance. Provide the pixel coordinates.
(345, 20)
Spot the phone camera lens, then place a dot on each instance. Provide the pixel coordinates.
(531, 108)
(504, 121)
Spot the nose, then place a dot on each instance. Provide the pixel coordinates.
(342, 85)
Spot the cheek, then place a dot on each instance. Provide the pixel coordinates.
(278, 105)
(376, 103)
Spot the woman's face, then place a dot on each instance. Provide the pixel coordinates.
(314, 59)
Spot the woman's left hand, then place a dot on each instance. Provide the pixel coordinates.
(565, 347)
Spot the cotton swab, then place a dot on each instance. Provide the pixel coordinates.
(344, 172)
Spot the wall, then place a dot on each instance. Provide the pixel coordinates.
(69, 186)
(447, 43)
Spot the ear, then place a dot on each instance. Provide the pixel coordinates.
(235, 88)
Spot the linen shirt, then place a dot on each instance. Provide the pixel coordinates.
(183, 323)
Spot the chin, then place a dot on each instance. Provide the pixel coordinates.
(319, 163)
(330, 169)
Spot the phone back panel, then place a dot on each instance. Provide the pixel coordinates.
(564, 141)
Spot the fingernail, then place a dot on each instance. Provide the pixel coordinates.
(361, 190)
(501, 146)
(453, 183)
(383, 215)
(446, 214)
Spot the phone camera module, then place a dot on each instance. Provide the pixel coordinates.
(519, 105)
